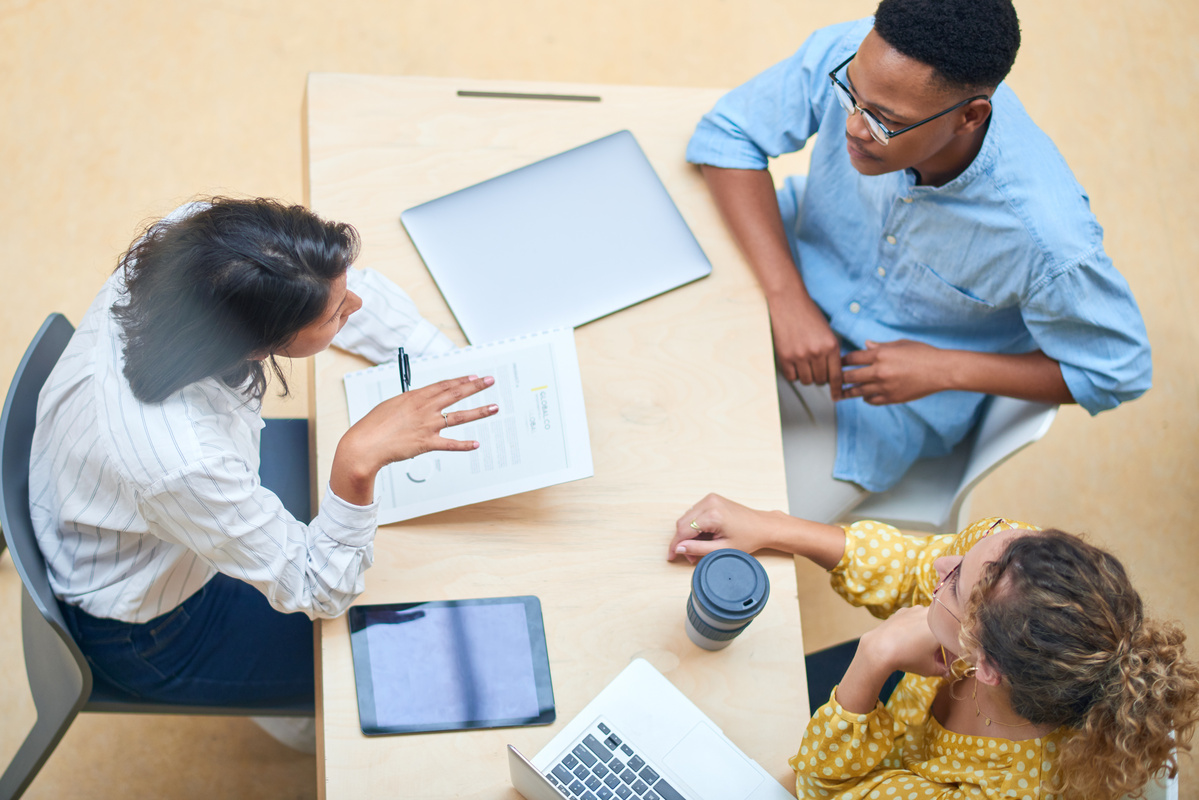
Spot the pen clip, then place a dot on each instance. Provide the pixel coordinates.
(405, 370)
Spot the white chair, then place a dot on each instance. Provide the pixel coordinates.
(935, 493)
(1164, 789)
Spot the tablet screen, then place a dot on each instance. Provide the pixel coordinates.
(451, 664)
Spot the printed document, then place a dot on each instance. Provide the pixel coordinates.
(538, 438)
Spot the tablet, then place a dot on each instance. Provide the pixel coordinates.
(448, 665)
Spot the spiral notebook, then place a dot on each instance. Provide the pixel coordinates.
(539, 437)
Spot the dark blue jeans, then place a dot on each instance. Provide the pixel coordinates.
(224, 646)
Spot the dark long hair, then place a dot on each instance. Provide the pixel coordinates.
(207, 292)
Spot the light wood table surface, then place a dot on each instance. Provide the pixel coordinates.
(681, 400)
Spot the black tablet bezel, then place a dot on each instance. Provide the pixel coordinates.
(365, 689)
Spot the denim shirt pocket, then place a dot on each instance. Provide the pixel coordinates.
(931, 300)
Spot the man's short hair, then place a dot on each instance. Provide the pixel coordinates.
(970, 43)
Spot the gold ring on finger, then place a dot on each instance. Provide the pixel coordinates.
(694, 524)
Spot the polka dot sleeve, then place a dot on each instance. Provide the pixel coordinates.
(884, 569)
(841, 749)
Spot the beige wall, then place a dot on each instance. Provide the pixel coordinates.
(111, 113)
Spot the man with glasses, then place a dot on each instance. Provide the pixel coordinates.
(938, 250)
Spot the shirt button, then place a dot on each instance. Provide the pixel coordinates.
(854, 307)
(890, 240)
(907, 199)
(882, 273)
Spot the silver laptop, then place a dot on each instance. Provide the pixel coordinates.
(641, 738)
(560, 242)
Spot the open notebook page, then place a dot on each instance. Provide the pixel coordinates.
(539, 437)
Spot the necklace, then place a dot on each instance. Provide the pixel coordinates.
(971, 672)
(978, 712)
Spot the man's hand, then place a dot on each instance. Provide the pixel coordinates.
(805, 346)
(900, 371)
(894, 372)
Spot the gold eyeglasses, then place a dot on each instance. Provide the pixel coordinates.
(952, 575)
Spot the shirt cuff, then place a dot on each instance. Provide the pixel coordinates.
(863, 527)
(427, 340)
(716, 146)
(353, 525)
(1087, 395)
(847, 556)
(853, 718)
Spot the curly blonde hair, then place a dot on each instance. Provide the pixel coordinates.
(1060, 620)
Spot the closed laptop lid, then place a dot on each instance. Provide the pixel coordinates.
(562, 241)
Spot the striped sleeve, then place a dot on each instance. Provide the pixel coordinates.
(217, 509)
(387, 320)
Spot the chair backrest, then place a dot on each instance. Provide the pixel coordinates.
(17, 423)
(934, 494)
(16, 438)
(59, 677)
(1007, 426)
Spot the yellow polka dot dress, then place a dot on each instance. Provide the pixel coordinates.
(899, 751)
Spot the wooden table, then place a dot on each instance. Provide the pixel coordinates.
(681, 400)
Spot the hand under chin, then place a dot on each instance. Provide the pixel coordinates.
(944, 658)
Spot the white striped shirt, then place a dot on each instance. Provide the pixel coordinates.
(136, 506)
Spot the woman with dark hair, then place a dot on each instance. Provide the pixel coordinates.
(1030, 668)
(181, 577)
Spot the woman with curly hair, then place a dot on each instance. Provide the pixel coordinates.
(1030, 669)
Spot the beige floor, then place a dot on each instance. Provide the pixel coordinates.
(113, 112)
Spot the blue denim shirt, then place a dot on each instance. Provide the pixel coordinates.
(1005, 258)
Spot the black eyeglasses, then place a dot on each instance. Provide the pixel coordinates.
(881, 133)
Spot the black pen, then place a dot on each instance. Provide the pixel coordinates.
(405, 371)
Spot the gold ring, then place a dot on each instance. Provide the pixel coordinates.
(693, 525)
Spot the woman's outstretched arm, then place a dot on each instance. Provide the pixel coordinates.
(717, 522)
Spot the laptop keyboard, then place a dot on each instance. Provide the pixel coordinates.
(604, 765)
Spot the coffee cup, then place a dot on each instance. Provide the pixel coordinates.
(728, 589)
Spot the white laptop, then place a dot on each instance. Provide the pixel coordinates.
(641, 738)
(557, 243)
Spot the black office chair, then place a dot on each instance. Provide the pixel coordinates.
(60, 680)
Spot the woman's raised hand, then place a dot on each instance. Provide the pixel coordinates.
(905, 642)
(403, 427)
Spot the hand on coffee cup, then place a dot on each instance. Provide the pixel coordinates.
(715, 523)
